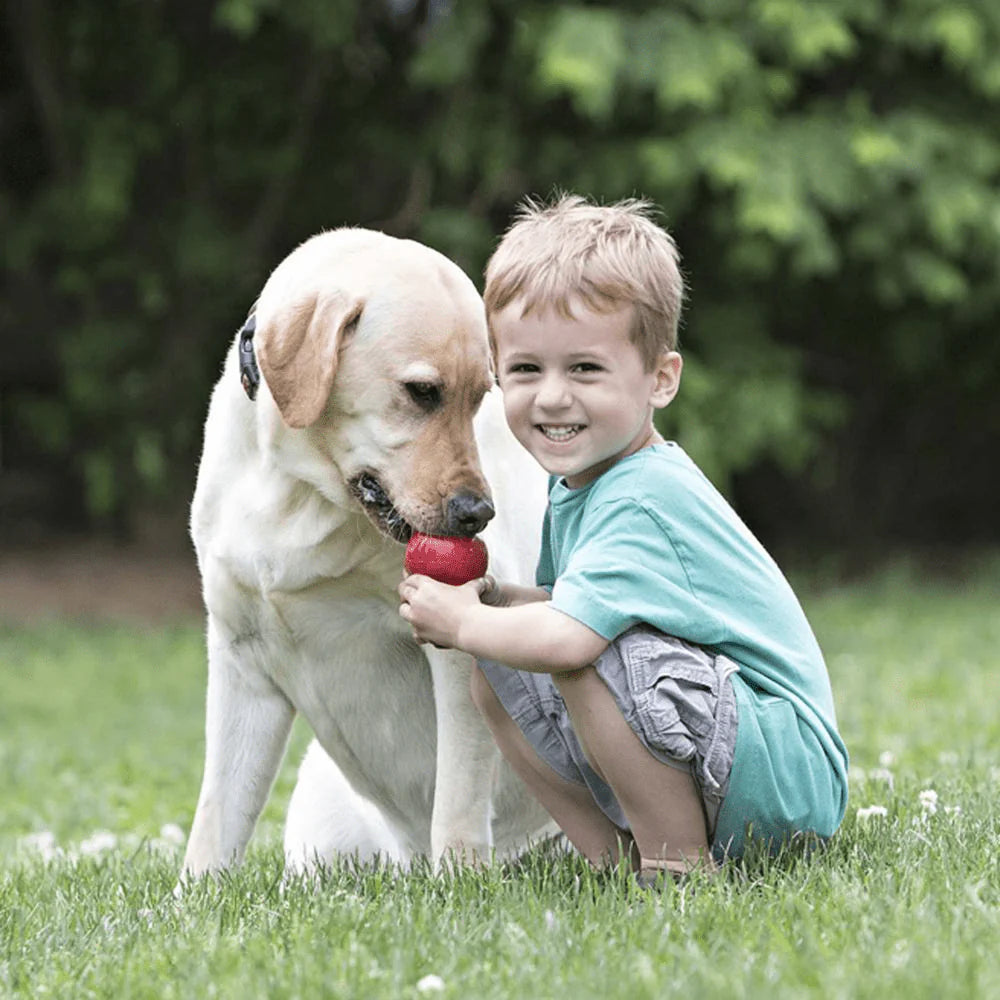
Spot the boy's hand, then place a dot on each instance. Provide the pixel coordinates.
(435, 610)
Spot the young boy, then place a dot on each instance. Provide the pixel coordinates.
(661, 691)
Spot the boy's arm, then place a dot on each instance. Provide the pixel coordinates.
(532, 636)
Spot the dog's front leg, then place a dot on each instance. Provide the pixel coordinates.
(467, 759)
(246, 730)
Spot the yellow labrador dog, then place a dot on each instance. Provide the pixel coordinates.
(353, 409)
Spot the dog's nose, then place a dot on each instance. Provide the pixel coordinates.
(467, 514)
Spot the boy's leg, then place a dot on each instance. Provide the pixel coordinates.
(662, 803)
(571, 805)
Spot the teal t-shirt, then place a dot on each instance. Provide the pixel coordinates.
(652, 541)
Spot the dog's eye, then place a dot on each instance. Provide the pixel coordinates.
(427, 395)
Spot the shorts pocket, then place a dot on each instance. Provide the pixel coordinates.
(677, 687)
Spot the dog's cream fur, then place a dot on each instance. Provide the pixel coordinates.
(375, 368)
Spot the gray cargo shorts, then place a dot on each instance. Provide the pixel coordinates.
(676, 697)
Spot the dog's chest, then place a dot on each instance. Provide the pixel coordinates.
(350, 666)
(341, 566)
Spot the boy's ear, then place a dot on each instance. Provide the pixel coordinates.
(668, 378)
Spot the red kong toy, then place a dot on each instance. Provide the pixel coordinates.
(445, 558)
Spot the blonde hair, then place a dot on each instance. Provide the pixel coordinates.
(607, 256)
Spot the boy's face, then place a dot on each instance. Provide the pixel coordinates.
(575, 390)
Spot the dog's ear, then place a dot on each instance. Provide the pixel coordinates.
(298, 351)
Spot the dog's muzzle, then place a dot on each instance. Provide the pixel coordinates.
(372, 496)
(465, 514)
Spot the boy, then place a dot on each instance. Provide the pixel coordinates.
(661, 691)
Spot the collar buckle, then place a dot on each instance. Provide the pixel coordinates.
(249, 372)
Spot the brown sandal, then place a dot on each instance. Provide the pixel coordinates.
(652, 870)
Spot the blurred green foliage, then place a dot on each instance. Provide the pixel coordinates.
(830, 168)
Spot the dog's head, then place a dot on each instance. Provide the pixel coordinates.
(374, 352)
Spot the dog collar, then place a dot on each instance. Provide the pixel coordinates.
(249, 372)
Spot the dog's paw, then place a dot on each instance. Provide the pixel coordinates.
(455, 857)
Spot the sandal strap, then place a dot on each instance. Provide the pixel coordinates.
(677, 867)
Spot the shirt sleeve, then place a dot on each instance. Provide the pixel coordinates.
(628, 569)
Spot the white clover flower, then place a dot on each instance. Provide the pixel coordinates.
(430, 984)
(953, 810)
(98, 843)
(887, 758)
(929, 801)
(170, 839)
(44, 842)
(172, 834)
(882, 774)
(871, 812)
(900, 955)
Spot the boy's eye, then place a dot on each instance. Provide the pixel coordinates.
(521, 368)
(587, 366)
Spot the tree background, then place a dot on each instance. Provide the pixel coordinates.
(830, 169)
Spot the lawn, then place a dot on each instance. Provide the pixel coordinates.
(100, 759)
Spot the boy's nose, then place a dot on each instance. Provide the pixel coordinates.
(552, 393)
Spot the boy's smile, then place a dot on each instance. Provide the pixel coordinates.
(576, 392)
(560, 433)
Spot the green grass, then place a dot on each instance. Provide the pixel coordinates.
(101, 729)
